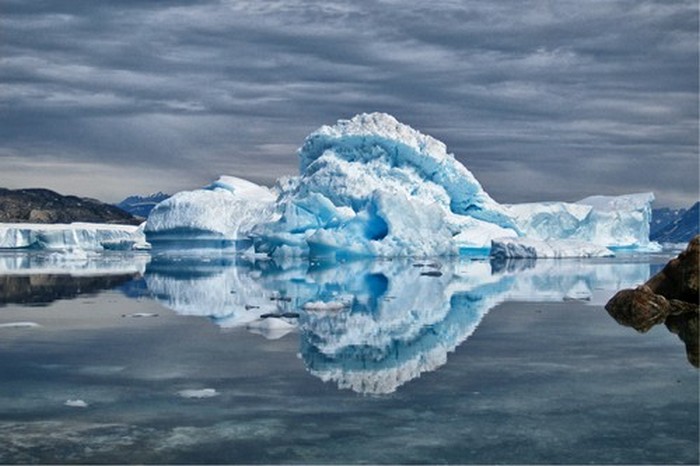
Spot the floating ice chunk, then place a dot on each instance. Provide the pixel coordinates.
(271, 328)
(198, 393)
(510, 248)
(619, 221)
(326, 306)
(610, 221)
(76, 404)
(20, 325)
(70, 236)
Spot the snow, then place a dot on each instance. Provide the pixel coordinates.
(71, 236)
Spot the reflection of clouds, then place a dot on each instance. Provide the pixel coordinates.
(395, 322)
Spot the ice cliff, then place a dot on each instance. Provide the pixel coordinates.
(71, 236)
(372, 186)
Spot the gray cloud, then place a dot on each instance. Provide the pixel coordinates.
(541, 100)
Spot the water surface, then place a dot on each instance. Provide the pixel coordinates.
(184, 359)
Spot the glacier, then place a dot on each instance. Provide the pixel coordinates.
(372, 186)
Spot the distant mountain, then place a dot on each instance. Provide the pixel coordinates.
(660, 218)
(46, 206)
(680, 229)
(141, 206)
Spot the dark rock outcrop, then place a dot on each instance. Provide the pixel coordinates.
(46, 206)
(671, 296)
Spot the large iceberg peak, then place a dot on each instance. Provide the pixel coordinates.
(379, 143)
(372, 186)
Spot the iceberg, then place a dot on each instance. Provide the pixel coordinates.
(219, 215)
(71, 236)
(372, 186)
(608, 221)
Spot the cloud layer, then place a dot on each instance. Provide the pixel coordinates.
(541, 100)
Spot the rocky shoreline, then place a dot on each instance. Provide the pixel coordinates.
(670, 297)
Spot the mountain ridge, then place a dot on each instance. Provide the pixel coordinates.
(40, 205)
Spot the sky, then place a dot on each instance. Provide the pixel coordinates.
(541, 100)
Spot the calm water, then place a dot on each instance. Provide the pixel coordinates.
(175, 359)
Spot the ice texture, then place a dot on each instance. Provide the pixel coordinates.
(220, 214)
(372, 186)
(71, 236)
(609, 221)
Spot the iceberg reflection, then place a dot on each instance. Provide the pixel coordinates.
(371, 326)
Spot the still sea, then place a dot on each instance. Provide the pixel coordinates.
(165, 358)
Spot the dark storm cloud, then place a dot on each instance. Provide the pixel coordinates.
(541, 100)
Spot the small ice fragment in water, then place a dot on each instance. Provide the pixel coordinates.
(20, 325)
(76, 403)
(323, 306)
(201, 393)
